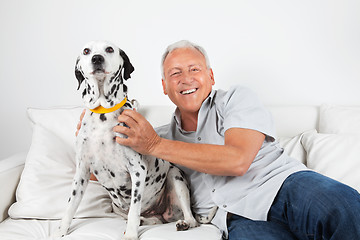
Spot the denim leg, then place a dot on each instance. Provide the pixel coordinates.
(317, 207)
(240, 228)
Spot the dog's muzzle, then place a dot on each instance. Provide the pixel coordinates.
(97, 61)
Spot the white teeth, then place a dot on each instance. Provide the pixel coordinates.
(188, 91)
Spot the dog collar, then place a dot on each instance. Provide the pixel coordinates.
(100, 109)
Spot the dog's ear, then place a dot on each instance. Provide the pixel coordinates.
(79, 76)
(128, 67)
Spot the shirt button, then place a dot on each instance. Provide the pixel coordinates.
(213, 190)
(199, 138)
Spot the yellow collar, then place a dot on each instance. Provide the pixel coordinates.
(101, 109)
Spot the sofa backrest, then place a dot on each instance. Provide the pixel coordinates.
(289, 120)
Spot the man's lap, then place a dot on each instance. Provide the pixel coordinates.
(309, 206)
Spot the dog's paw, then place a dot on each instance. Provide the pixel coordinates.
(130, 238)
(182, 225)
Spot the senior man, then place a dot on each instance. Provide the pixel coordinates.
(225, 143)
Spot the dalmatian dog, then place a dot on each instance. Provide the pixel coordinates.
(144, 189)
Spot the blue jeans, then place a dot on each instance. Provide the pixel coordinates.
(307, 206)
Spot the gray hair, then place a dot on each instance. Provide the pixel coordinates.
(183, 44)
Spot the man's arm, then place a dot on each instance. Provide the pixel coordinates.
(231, 159)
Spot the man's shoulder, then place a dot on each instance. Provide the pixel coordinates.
(235, 94)
(163, 130)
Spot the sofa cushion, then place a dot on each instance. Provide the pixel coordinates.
(339, 119)
(293, 147)
(334, 155)
(45, 184)
(101, 229)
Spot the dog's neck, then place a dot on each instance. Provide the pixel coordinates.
(101, 110)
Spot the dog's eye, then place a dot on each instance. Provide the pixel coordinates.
(86, 51)
(109, 50)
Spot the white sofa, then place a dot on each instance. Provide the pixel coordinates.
(326, 139)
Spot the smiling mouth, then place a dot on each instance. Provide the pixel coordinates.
(186, 92)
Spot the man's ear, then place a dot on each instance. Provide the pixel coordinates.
(79, 76)
(164, 86)
(212, 76)
(128, 67)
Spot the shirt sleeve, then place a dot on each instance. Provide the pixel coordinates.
(243, 109)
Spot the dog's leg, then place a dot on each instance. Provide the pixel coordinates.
(138, 175)
(177, 183)
(80, 182)
(209, 217)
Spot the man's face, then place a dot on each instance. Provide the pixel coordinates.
(187, 81)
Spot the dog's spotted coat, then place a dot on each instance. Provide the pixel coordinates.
(143, 189)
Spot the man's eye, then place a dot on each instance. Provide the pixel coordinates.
(86, 51)
(174, 74)
(109, 50)
(194, 69)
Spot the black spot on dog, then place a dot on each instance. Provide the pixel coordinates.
(128, 192)
(128, 105)
(135, 192)
(147, 179)
(113, 89)
(137, 174)
(157, 169)
(156, 162)
(137, 183)
(110, 189)
(69, 199)
(122, 188)
(82, 181)
(179, 178)
(74, 193)
(95, 172)
(164, 175)
(142, 166)
(103, 117)
(139, 197)
(112, 174)
(114, 196)
(158, 178)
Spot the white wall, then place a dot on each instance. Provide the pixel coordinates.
(290, 52)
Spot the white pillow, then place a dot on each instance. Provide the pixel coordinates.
(45, 183)
(338, 119)
(293, 147)
(336, 156)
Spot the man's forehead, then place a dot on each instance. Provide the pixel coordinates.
(184, 56)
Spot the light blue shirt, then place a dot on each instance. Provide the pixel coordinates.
(252, 194)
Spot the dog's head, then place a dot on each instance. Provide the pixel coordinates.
(103, 67)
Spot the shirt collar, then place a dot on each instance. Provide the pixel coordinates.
(208, 102)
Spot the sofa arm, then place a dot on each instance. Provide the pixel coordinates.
(10, 172)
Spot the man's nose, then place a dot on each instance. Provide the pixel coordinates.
(187, 78)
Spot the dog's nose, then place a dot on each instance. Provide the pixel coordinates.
(97, 59)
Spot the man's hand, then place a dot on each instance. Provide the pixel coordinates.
(141, 136)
